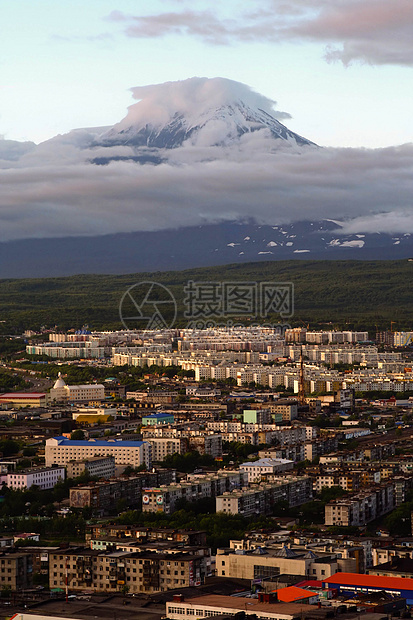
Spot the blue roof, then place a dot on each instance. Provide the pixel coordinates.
(99, 442)
(159, 415)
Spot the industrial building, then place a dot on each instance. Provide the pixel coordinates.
(354, 584)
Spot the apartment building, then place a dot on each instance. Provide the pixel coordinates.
(165, 498)
(161, 447)
(146, 535)
(287, 407)
(350, 481)
(261, 499)
(320, 446)
(103, 495)
(360, 509)
(140, 572)
(206, 444)
(96, 467)
(15, 570)
(68, 350)
(60, 451)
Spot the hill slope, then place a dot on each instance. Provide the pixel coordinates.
(351, 294)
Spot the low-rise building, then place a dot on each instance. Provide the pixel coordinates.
(229, 606)
(157, 418)
(263, 563)
(61, 392)
(24, 399)
(42, 477)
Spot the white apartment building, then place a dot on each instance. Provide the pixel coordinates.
(60, 451)
(254, 470)
(44, 478)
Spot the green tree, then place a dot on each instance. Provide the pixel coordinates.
(9, 447)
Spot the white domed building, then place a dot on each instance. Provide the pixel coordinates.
(61, 392)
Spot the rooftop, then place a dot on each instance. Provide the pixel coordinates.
(243, 604)
(22, 395)
(266, 462)
(372, 581)
(117, 443)
(292, 593)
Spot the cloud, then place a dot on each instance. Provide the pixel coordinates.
(370, 31)
(194, 98)
(371, 189)
(55, 190)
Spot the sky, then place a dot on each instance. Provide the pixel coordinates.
(338, 72)
(341, 68)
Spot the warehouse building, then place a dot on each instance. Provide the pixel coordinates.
(354, 584)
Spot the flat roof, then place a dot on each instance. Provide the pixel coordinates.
(23, 395)
(116, 443)
(36, 470)
(292, 593)
(244, 604)
(371, 581)
(266, 462)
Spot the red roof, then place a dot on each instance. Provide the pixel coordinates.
(292, 593)
(310, 583)
(371, 581)
(22, 395)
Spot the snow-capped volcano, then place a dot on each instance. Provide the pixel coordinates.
(233, 184)
(198, 112)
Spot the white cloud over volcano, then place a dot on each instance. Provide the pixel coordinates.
(55, 189)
